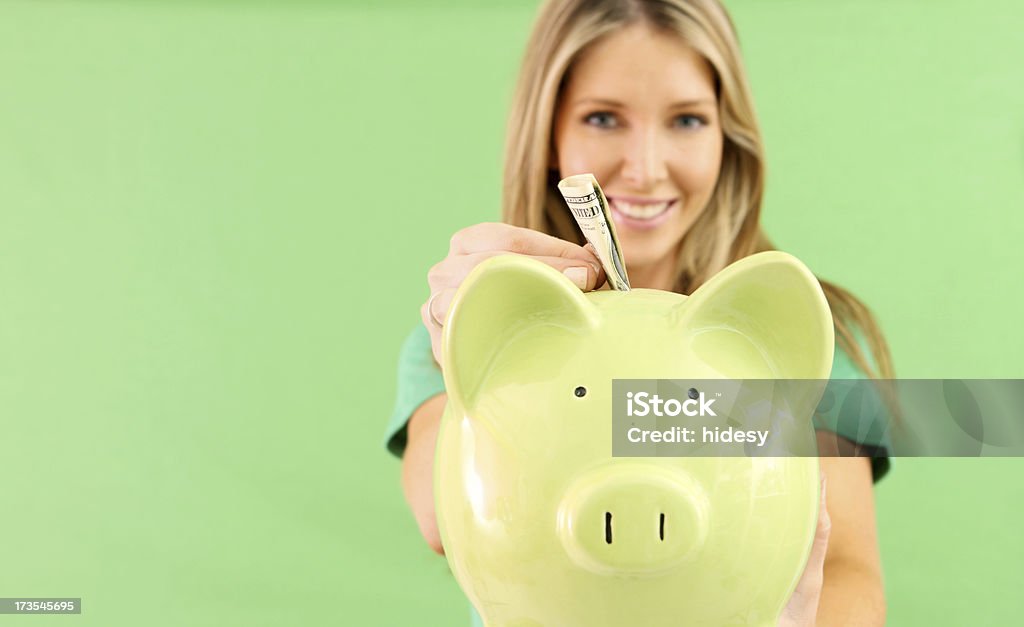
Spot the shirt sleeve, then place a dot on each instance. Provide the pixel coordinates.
(861, 420)
(419, 379)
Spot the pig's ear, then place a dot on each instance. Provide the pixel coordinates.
(502, 297)
(772, 300)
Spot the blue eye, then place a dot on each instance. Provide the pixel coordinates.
(689, 121)
(602, 119)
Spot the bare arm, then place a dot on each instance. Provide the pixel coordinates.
(852, 592)
(418, 467)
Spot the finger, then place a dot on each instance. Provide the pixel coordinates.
(802, 607)
(453, 271)
(433, 313)
(824, 520)
(514, 239)
(821, 533)
(435, 310)
(585, 276)
(601, 275)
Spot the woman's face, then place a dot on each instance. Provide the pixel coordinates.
(639, 112)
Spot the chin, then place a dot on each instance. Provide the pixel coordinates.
(643, 254)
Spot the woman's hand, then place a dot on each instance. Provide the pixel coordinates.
(473, 244)
(802, 609)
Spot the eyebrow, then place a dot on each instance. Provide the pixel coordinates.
(616, 104)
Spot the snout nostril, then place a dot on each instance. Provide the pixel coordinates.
(608, 527)
(661, 528)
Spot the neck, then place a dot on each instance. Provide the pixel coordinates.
(656, 276)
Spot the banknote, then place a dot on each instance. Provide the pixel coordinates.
(590, 209)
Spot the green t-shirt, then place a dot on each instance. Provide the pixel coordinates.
(419, 379)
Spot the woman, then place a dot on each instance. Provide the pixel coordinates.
(651, 97)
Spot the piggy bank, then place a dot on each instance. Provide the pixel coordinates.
(527, 490)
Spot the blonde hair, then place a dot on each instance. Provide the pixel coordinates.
(729, 229)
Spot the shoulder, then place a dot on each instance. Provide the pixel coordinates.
(419, 379)
(843, 366)
(853, 409)
(416, 345)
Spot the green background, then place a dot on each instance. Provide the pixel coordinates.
(216, 221)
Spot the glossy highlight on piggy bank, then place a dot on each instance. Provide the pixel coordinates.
(542, 526)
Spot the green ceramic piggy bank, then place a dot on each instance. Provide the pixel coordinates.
(525, 481)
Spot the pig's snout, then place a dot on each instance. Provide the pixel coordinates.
(633, 519)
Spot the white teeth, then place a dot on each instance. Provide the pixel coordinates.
(640, 212)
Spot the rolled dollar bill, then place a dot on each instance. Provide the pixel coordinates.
(590, 208)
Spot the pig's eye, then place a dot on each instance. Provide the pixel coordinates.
(693, 393)
(580, 392)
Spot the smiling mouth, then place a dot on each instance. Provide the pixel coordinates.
(641, 210)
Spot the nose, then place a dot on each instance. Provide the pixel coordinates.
(634, 519)
(644, 164)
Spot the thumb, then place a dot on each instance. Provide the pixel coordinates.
(824, 530)
(597, 266)
(803, 605)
